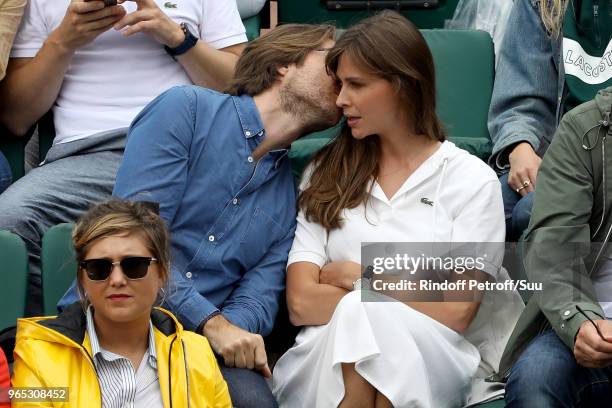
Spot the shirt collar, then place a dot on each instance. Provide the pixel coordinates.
(97, 350)
(249, 116)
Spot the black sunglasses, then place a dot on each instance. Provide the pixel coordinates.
(133, 267)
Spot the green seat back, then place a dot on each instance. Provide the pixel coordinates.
(464, 62)
(58, 265)
(252, 26)
(14, 267)
(14, 151)
(465, 70)
(311, 11)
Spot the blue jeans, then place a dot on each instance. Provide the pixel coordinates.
(247, 388)
(5, 173)
(547, 375)
(517, 210)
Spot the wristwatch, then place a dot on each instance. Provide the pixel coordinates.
(365, 282)
(188, 43)
(361, 284)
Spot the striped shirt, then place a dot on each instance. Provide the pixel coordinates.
(120, 386)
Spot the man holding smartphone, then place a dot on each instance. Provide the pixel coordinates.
(96, 66)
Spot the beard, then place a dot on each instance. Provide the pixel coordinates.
(307, 105)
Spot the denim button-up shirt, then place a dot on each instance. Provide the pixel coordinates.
(231, 218)
(529, 84)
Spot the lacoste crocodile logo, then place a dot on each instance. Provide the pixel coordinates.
(169, 5)
(427, 201)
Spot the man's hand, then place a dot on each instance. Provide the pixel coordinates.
(340, 274)
(590, 349)
(84, 22)
(238, 347)
(524, 165)
(149, 19)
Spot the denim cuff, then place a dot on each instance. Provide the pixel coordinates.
(502, 149)
(206, 319)
(193, 311)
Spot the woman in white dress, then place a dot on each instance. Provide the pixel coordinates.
(390, 176)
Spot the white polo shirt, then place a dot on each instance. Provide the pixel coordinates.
(111, 79)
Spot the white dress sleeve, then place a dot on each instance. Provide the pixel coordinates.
(310, 242)
(481, 226)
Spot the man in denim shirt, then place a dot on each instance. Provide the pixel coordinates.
(218, 166)
(555, 55)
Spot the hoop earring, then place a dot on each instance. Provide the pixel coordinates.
(163, 296)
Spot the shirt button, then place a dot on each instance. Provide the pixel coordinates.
(566, 313)
(211, 238)
(247, 133)
(188, 275)
(235, 201)
(250, 159)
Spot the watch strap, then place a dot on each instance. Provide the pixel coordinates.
(188, 43)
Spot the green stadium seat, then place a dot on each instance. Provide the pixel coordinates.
(58, 265)
(13, 149)
(14, 261)
(292, 11)
(252, 26)
(465, 62)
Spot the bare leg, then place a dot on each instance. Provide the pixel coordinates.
(358, 393)
(382, 401)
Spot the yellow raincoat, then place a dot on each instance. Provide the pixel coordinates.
(56, 352)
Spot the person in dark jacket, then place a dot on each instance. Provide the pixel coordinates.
(560, 353)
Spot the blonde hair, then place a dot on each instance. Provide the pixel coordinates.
(115, 217)
(552, 13)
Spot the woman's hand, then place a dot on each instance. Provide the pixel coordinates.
(149, 19)
(340, 274)
(524, 165)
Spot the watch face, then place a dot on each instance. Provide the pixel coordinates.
(108, 3)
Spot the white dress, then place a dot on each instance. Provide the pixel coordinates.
(410, 358)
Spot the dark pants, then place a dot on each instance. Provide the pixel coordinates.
(547, 375)
(517, 210)
(247, 388)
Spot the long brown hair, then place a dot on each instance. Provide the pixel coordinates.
(257, 68)
(389, 46)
